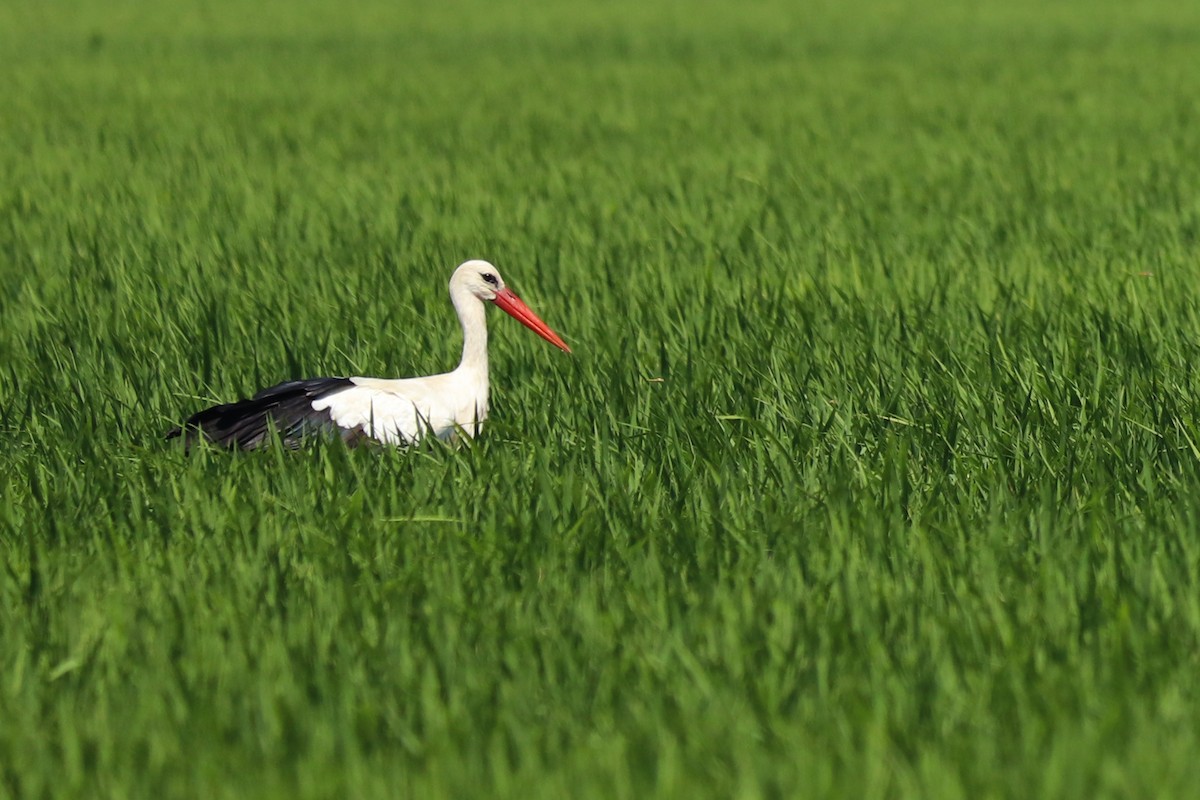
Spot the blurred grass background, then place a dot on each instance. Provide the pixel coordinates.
(912, 511)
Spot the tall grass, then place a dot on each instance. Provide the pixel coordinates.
(876, 472)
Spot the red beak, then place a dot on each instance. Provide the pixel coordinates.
(515, 307)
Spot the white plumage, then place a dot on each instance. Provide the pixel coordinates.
(402, 411)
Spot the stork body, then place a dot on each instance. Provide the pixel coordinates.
(389, 411)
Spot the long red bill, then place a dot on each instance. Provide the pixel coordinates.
(515, 307)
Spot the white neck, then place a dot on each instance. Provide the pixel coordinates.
(474, 326)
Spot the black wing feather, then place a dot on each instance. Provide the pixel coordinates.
(287, 407)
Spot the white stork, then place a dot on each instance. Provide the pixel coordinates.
(395, 412)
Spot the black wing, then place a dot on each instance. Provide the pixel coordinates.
(286, 407)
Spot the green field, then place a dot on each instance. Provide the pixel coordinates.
(875, 473)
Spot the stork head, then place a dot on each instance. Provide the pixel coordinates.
(479, 278)
(482, 280)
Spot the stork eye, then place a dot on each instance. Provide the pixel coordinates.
(490, 278)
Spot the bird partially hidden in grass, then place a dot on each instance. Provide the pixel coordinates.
(388, 411)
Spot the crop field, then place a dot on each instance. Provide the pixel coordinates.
(875, 472)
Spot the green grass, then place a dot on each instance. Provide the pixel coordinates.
(875, 473)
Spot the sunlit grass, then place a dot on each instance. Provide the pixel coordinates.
(875, 473)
